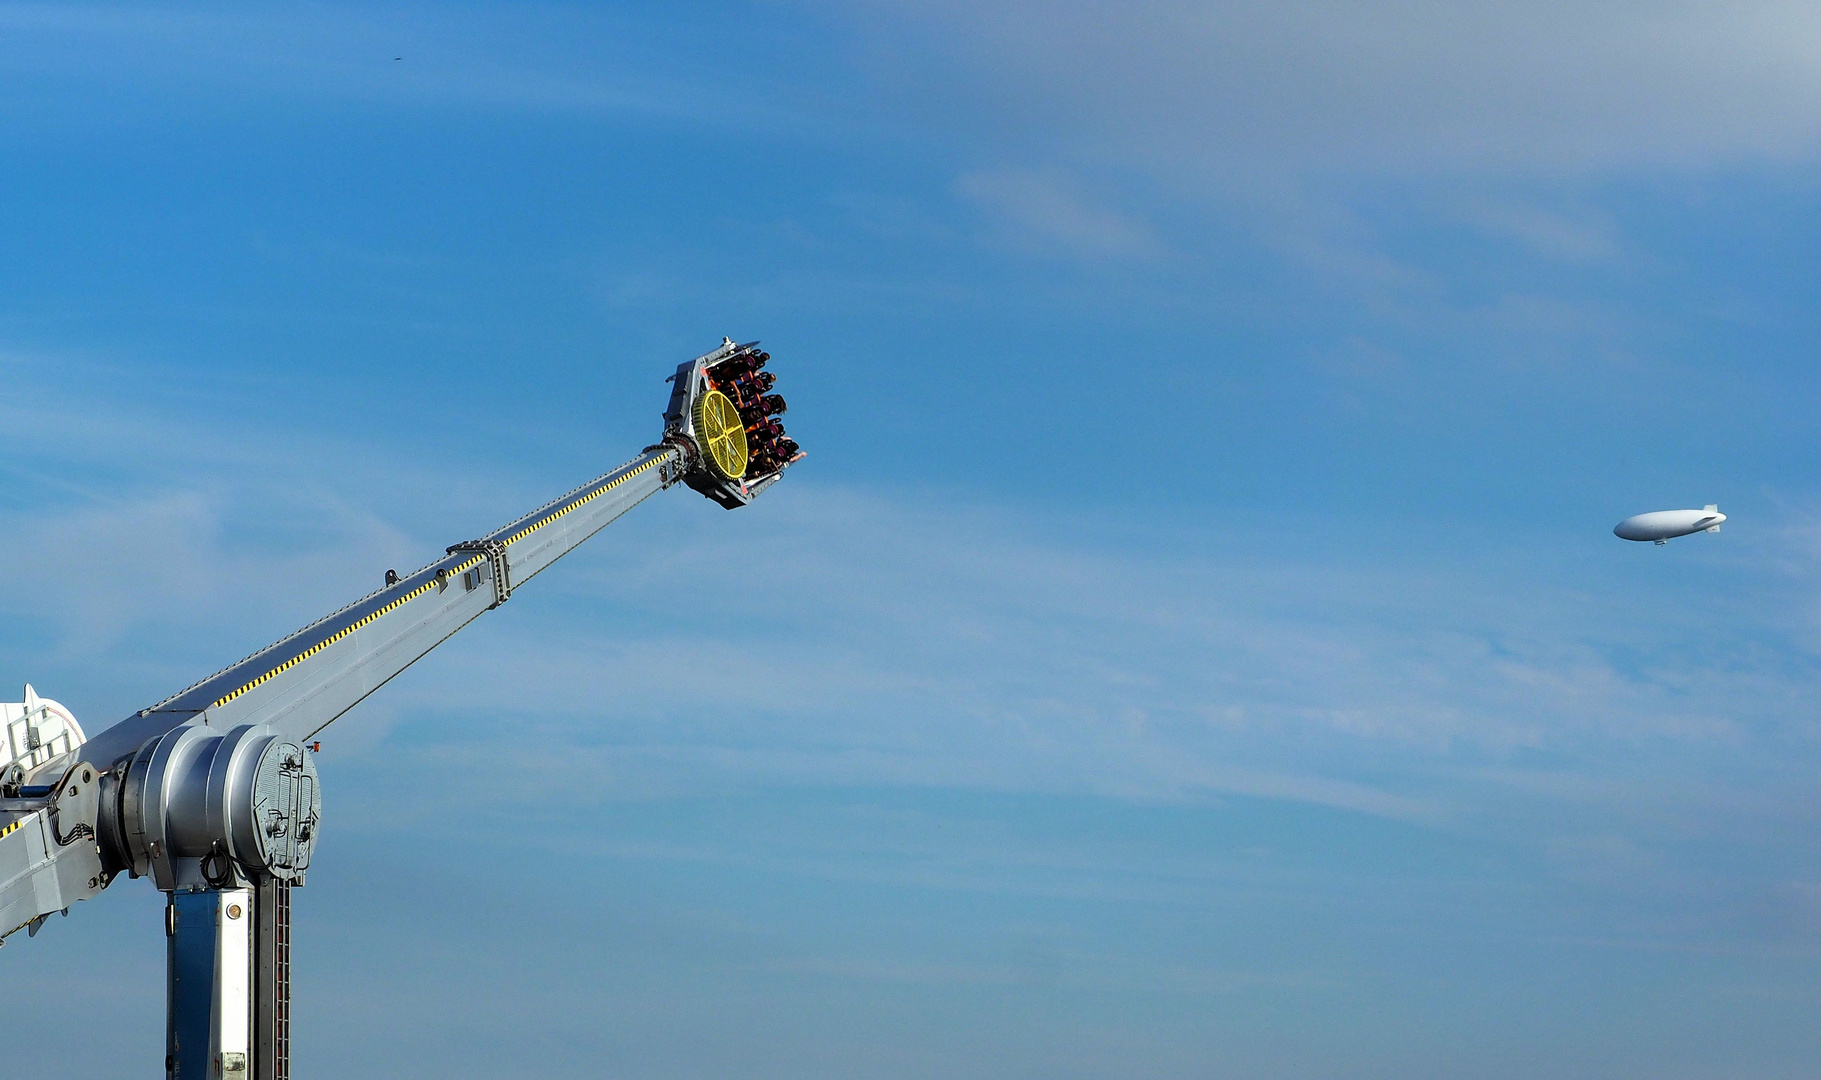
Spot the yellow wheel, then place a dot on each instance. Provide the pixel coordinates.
(722, 434)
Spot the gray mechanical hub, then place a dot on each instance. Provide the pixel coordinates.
(199, 809)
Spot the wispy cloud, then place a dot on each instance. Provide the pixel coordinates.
(840, 637)
(1568, 237)
(534, 58)
(874, 641)
(1047, 211)
(1225, 89)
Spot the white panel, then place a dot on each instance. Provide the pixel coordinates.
(234, 983)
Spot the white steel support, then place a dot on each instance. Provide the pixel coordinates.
(234, 983)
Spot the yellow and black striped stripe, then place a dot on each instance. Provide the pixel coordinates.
(602, 490)
(459, 568)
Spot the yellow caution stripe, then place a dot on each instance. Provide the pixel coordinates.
(459, 568)
(602, 490)
(328, 641)
(8, 829)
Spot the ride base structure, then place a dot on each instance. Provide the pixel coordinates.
(213, 792)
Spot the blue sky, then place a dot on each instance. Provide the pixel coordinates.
(1195, 645)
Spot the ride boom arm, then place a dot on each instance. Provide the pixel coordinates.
(300, 684)
(721, 437)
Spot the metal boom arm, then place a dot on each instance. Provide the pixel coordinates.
(300, 684)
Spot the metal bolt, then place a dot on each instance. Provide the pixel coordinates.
(233, 911)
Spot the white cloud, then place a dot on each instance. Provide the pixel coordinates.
(1230, 92)
(1577, 238)
(1047, 211)
(1236, 88)
(874, 641)
(838, 637)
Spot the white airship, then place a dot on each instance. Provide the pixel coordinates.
(1662, 526)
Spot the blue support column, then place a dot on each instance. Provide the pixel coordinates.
(190, 967)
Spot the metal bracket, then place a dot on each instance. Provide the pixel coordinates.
(496, 554)
(671, 471)
(682, 459)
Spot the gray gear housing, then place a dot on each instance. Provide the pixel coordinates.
(198, 808)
